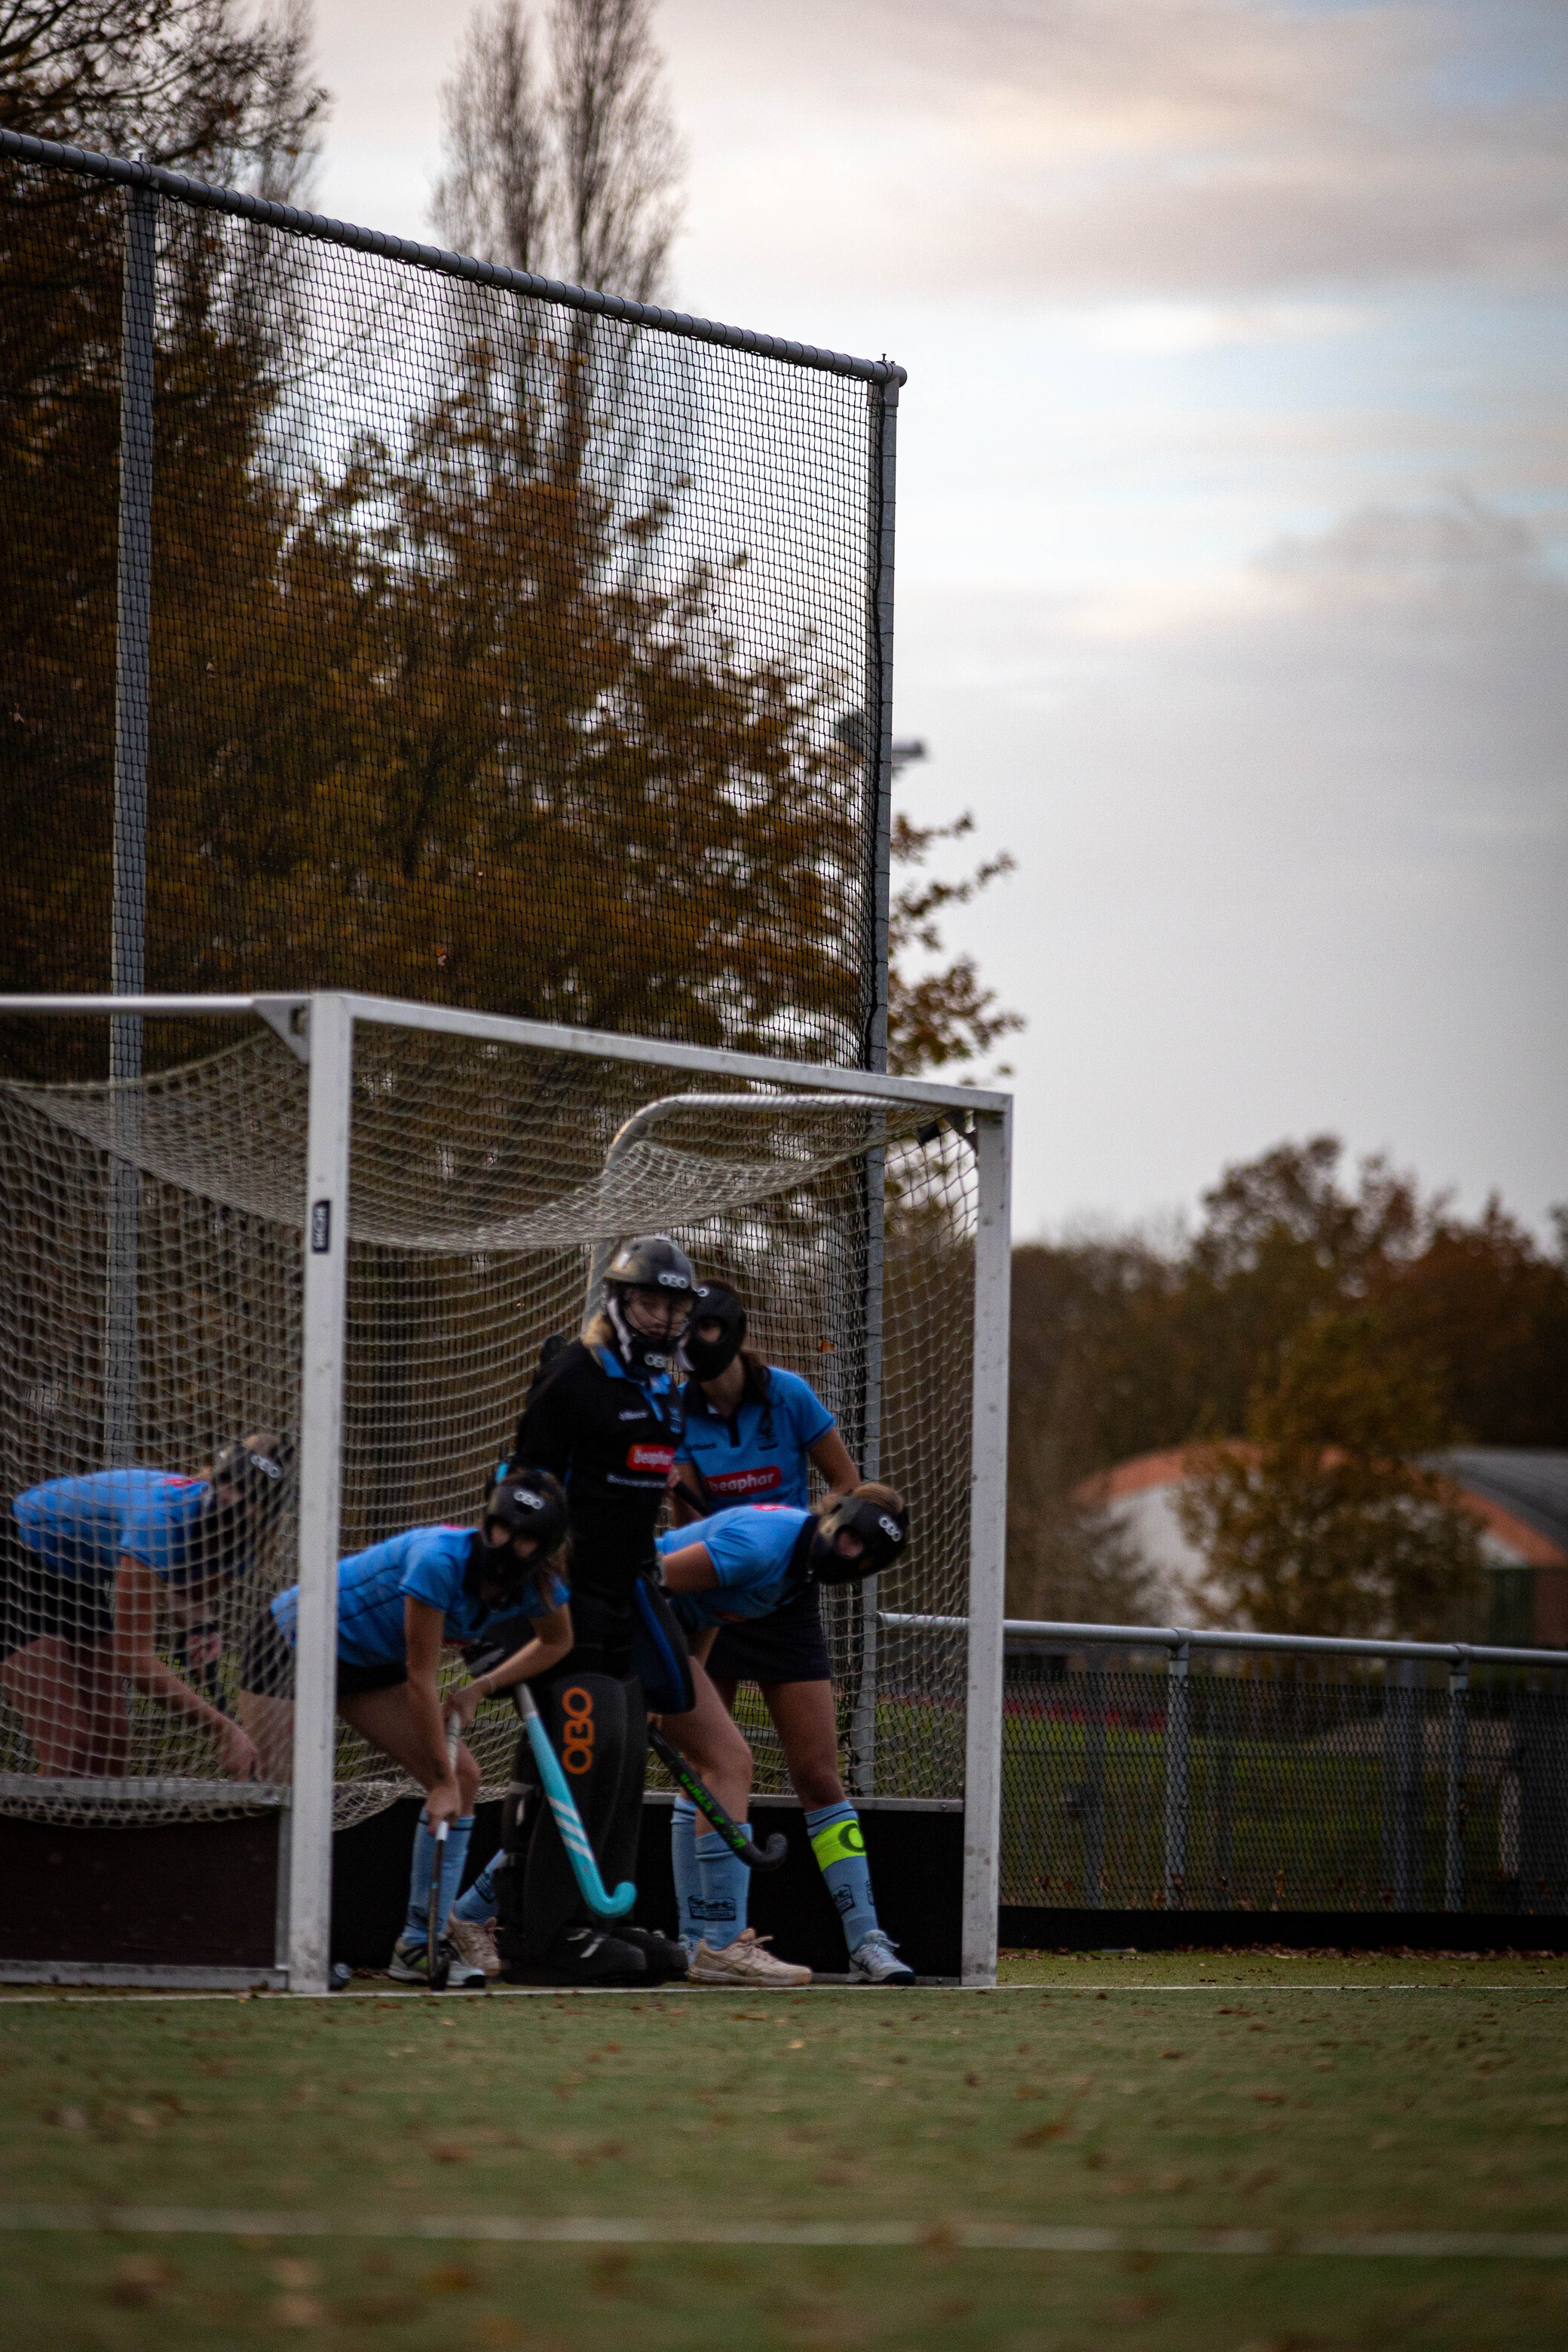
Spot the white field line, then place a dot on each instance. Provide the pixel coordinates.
(131, 1995)
(970, 2237)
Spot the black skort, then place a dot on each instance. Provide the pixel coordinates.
(789, 1646)
(266, 1666)
(35, 1601)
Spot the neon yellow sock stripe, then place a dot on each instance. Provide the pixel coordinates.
(838, 1842)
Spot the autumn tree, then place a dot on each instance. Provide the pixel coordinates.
(1325, 1520)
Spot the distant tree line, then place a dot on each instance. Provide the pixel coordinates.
(1343, 1328)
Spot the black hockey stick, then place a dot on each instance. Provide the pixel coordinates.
(766, 1857)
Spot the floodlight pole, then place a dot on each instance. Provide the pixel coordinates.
(128, 938)
(326, 1241)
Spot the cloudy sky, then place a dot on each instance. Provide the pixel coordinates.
(1233, 524)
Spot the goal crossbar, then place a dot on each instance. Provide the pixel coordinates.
(318, 1027)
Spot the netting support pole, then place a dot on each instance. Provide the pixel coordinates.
(988, 1549)
(321, 1451)
(128, 935)
(1176, 1725)
(882, 511)
(1454, 1827)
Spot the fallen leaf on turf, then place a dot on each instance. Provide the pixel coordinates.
(448, 2151)
(797, 2045)
(1270, 2098)
(495, 2329)
(1171, 2054)
(67, 2118)
(1040, 2134)
(137, 2281)
(939, 2234)
(377, 2310)
(973, 2081)
(1131, 2309)
(292, 2271)
(298, 2311)
(450, 2278)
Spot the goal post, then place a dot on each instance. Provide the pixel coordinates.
(364, 1217)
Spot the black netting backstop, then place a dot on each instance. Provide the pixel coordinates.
(434, 630)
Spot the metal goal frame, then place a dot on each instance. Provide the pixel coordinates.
(319, 1029)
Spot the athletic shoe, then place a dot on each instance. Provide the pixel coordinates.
(411, 1965)
(876, 1961)
(665, 1959)
(472, 1941)
(745, 1962)
(582, 1955)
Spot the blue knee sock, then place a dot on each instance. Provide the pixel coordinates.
(725, 1879)
(417, 1927)
(683, 1861)
(479, 1903)
(840, 1845)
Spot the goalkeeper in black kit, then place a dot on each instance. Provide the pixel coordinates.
(604, 1415)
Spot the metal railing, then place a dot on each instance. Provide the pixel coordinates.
(1257, 1771)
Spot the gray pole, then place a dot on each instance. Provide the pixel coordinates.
(1176, 1779)
(127, 945)
(1454, 1832)
(882, 405)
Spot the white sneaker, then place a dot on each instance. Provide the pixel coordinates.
(410, 1964)
(745, 1962)
(472, 1941)
(876, 1961)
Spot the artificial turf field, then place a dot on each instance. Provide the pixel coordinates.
(1142, 2104)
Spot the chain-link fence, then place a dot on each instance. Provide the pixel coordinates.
(1152, 1772)
(378, 618)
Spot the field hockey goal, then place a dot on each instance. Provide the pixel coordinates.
(355, 1221)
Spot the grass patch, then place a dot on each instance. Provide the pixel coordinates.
(1248, 2104)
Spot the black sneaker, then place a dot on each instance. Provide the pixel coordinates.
(582, 1955)
(665, 1959)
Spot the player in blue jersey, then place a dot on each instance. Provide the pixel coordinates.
(400, 1603)
(754, 1432)
(99, 1573)
(742, 1566)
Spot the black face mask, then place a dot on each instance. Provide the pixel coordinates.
(637, 1353)
(708, 1359)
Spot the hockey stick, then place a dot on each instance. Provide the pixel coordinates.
(766, 1857)
(573, 1837)
(436, 1969)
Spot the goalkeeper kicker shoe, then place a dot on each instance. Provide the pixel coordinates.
(665, 1959)
(745, 1962)
(472, 1941)
(876, 1962)
(411, 1965)
(582, 1956)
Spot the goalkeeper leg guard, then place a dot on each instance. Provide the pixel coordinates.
(602, 1741)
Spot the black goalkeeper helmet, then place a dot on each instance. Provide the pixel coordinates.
(528, 1503)
(877, 1517)
(650, 1263)
(716, 1303)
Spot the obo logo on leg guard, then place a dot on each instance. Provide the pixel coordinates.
(577, 1730)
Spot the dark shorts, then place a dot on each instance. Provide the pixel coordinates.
(266, 1666)
(35, 1601)
(787, 1647)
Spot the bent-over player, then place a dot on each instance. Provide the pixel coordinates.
(399, 1603)
(753, 1434)
(741, 1565)
(93, 1570)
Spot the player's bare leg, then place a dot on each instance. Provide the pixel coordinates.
(806, 1722)
(729, 1952)
(42, 1685)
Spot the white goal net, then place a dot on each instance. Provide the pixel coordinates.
(153, 1297)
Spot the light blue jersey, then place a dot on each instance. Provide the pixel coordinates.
(81, 1528)
(432, 1565)
(753, 1549)
(761, 1454)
